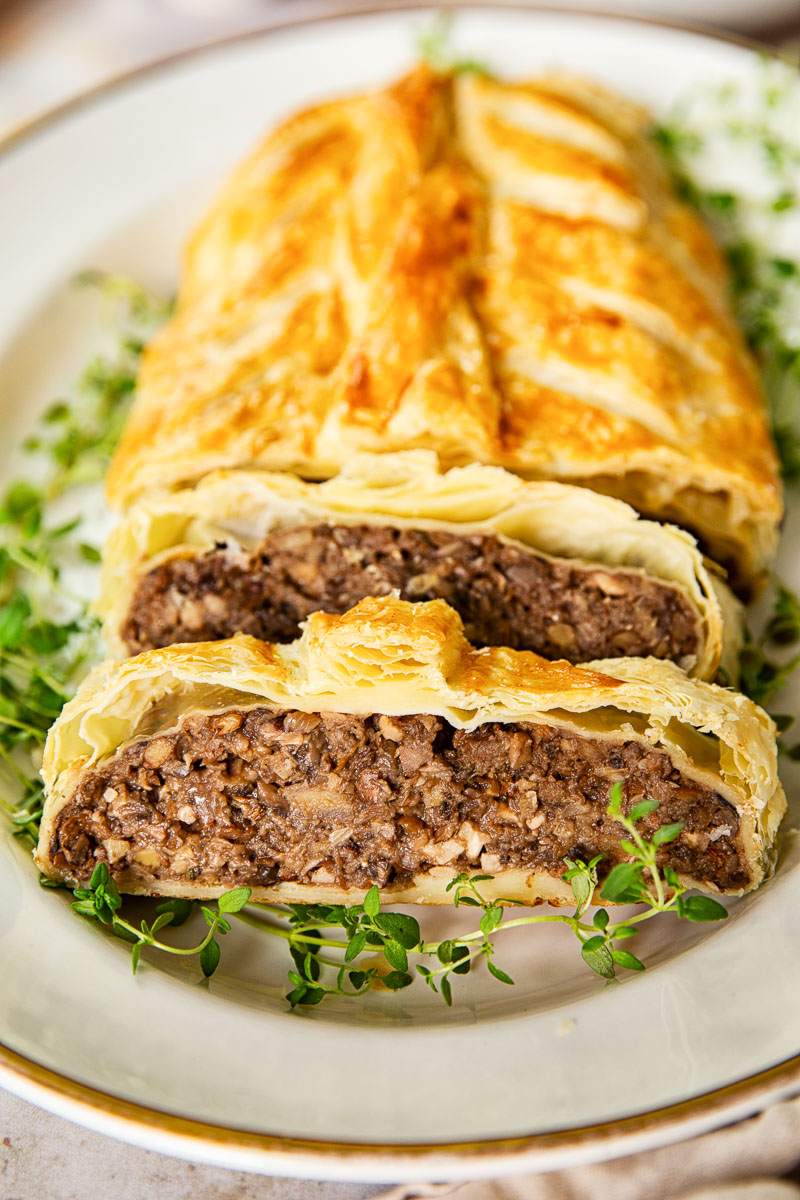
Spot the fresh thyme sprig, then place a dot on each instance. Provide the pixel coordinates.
(373, 948)
(78, 434)
(47, 639)
(102, 902)
(433, 44)
(636, 881)
(757, 226)
(761, 674)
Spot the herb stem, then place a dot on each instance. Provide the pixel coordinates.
(20, 774)
(23, 726)
(290, 934)
(516, 923)
(149, 940)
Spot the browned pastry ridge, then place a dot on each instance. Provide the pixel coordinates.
(498, 272)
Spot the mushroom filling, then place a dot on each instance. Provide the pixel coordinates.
(506, 595)
(258, 796)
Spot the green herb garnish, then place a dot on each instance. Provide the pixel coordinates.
(102, 902)
(762, 675)
(372, 947)
(755, 228)
(47, 638)
(433, 45)
(79, 434)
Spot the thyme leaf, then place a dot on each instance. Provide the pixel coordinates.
(101, 901)
(638, 881)
(347, 951)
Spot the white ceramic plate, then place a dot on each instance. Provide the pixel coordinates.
(557, 1069)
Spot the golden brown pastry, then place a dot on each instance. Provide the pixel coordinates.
(382, 748)
(534, 566)
(498, 272)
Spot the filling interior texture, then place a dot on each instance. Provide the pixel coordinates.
(259, 796)
(506, 595)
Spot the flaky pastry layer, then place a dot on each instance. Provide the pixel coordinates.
(408, 490)
(500, 272)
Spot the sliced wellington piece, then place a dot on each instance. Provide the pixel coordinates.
(499, 272)
(382, 748)
(534, 566)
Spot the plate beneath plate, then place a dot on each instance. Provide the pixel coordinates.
(559, 1068)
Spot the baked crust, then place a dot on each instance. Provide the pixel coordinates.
(499, 272)
(408, 490)
(392, 657)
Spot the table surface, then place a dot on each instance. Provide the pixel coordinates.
(43, 1156)
(50, 50)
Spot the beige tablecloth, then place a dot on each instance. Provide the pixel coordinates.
(742, 1161)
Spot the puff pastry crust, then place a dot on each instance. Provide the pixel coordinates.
(391, 657)
(408, 490)
(497, 271)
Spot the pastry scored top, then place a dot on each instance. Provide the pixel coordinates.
(498, 272)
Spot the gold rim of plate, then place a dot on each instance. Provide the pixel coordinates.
(747, 1096)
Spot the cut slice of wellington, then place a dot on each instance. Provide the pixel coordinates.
(505, 594)
(499, 272)
(536, 566)
(381, 748)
